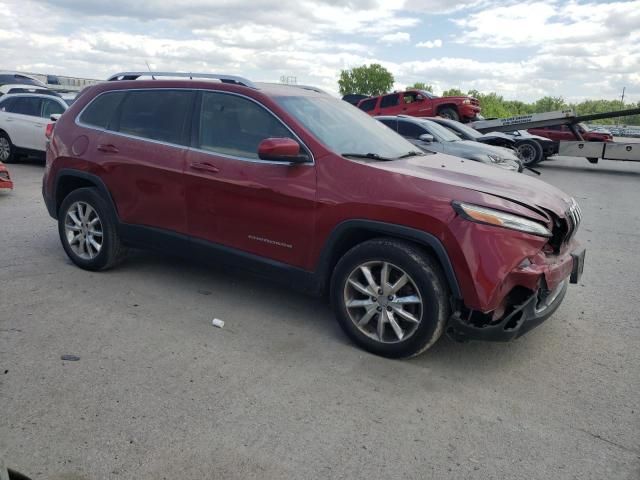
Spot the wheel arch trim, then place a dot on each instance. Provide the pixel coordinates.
(342, 230)
(94, 179)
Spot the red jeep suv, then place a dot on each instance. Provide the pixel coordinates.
(303, 188)
(420, 103)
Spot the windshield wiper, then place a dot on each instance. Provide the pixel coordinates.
(374, 156)
(412, 153)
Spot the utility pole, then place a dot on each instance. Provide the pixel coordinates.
(622, 98)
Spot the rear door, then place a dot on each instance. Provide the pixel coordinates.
(24, 124)
(236, 199)
(390, 104)
(141, 151)
(369, 105)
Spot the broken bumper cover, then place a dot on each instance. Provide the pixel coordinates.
(523, 317)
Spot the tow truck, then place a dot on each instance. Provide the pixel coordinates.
(592, 151)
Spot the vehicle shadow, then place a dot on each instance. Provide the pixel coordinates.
(299, 311)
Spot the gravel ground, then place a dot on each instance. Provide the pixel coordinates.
(279, 392)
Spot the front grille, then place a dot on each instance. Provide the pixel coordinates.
(573, 217)
(564, 228)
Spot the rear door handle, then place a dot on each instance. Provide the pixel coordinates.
(205, 166)
(107, 148)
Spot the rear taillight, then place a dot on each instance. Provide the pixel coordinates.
(49, 130)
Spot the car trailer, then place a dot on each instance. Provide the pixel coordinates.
(593, 151)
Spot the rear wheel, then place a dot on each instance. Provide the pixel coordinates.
(450, 113)
(390, 298)
(530, 152)
(7, 150)
(88, 230)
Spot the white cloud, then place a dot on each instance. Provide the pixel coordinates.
(437, 43)
(398, 37)
(574, 48)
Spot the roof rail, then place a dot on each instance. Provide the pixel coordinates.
(223, 78)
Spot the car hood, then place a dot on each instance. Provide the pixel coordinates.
(516, 187)
(467, 148)
(503, 136)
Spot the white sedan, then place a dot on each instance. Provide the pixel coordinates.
(23, 121)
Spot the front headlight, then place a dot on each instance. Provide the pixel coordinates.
(466, 101)
(494, 158)
(489, 216)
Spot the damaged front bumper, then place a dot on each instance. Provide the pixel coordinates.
(521, 317)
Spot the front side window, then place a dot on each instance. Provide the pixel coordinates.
(27, 106)
(102, 109)
(411, 130)
(390, 101)
(235, 126)
(51, 107)
(159, 114)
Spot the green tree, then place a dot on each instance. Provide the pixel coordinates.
(371, 79)
(453, 92)
(549, 104)
(422, 86)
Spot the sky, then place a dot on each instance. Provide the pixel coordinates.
(522, 50)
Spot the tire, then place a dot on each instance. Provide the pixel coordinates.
(7, 150)
(530, 152)
(424, 297)
(450, 113)
(103, 232)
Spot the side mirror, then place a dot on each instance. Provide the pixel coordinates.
(55, 116)
(281, 150)
(427, 138)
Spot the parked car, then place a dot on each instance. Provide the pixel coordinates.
(5, 178)
(23, 122)
(533, 149)
(465, 132)
(420, 103)
(354, 98)
(20, 88)
(311, 192)
(559, 133)
(431, 137)
(19, 79)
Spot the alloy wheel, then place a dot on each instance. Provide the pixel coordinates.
(83, 230)
(5, 149)
(527, 153)
(383, 302)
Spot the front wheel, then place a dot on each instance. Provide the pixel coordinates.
(88, 230)
(530, 152)
(390, 298)
(449, 113)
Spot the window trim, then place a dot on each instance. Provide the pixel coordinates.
(196, 108)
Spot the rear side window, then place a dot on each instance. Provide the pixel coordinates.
(156, 114)
(27, 106)
(390, 101)
(410, 130)
(6, 105)
(51, 107)
(368, 105)
(235, 126)
(102, 109)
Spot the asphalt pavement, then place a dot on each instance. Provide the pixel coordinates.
(279, 392)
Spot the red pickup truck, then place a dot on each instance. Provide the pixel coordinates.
(420, 103)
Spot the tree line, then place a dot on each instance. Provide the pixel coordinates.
(374, 79)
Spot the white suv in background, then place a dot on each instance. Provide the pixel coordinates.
(23, 121)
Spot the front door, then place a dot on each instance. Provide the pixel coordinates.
(234, 198)
(25, 124)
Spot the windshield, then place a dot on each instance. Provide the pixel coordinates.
(428, 94)
(345, 129)
(442, 134)
(468, 131)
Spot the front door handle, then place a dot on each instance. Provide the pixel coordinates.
(107, 148)
(205, 166)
